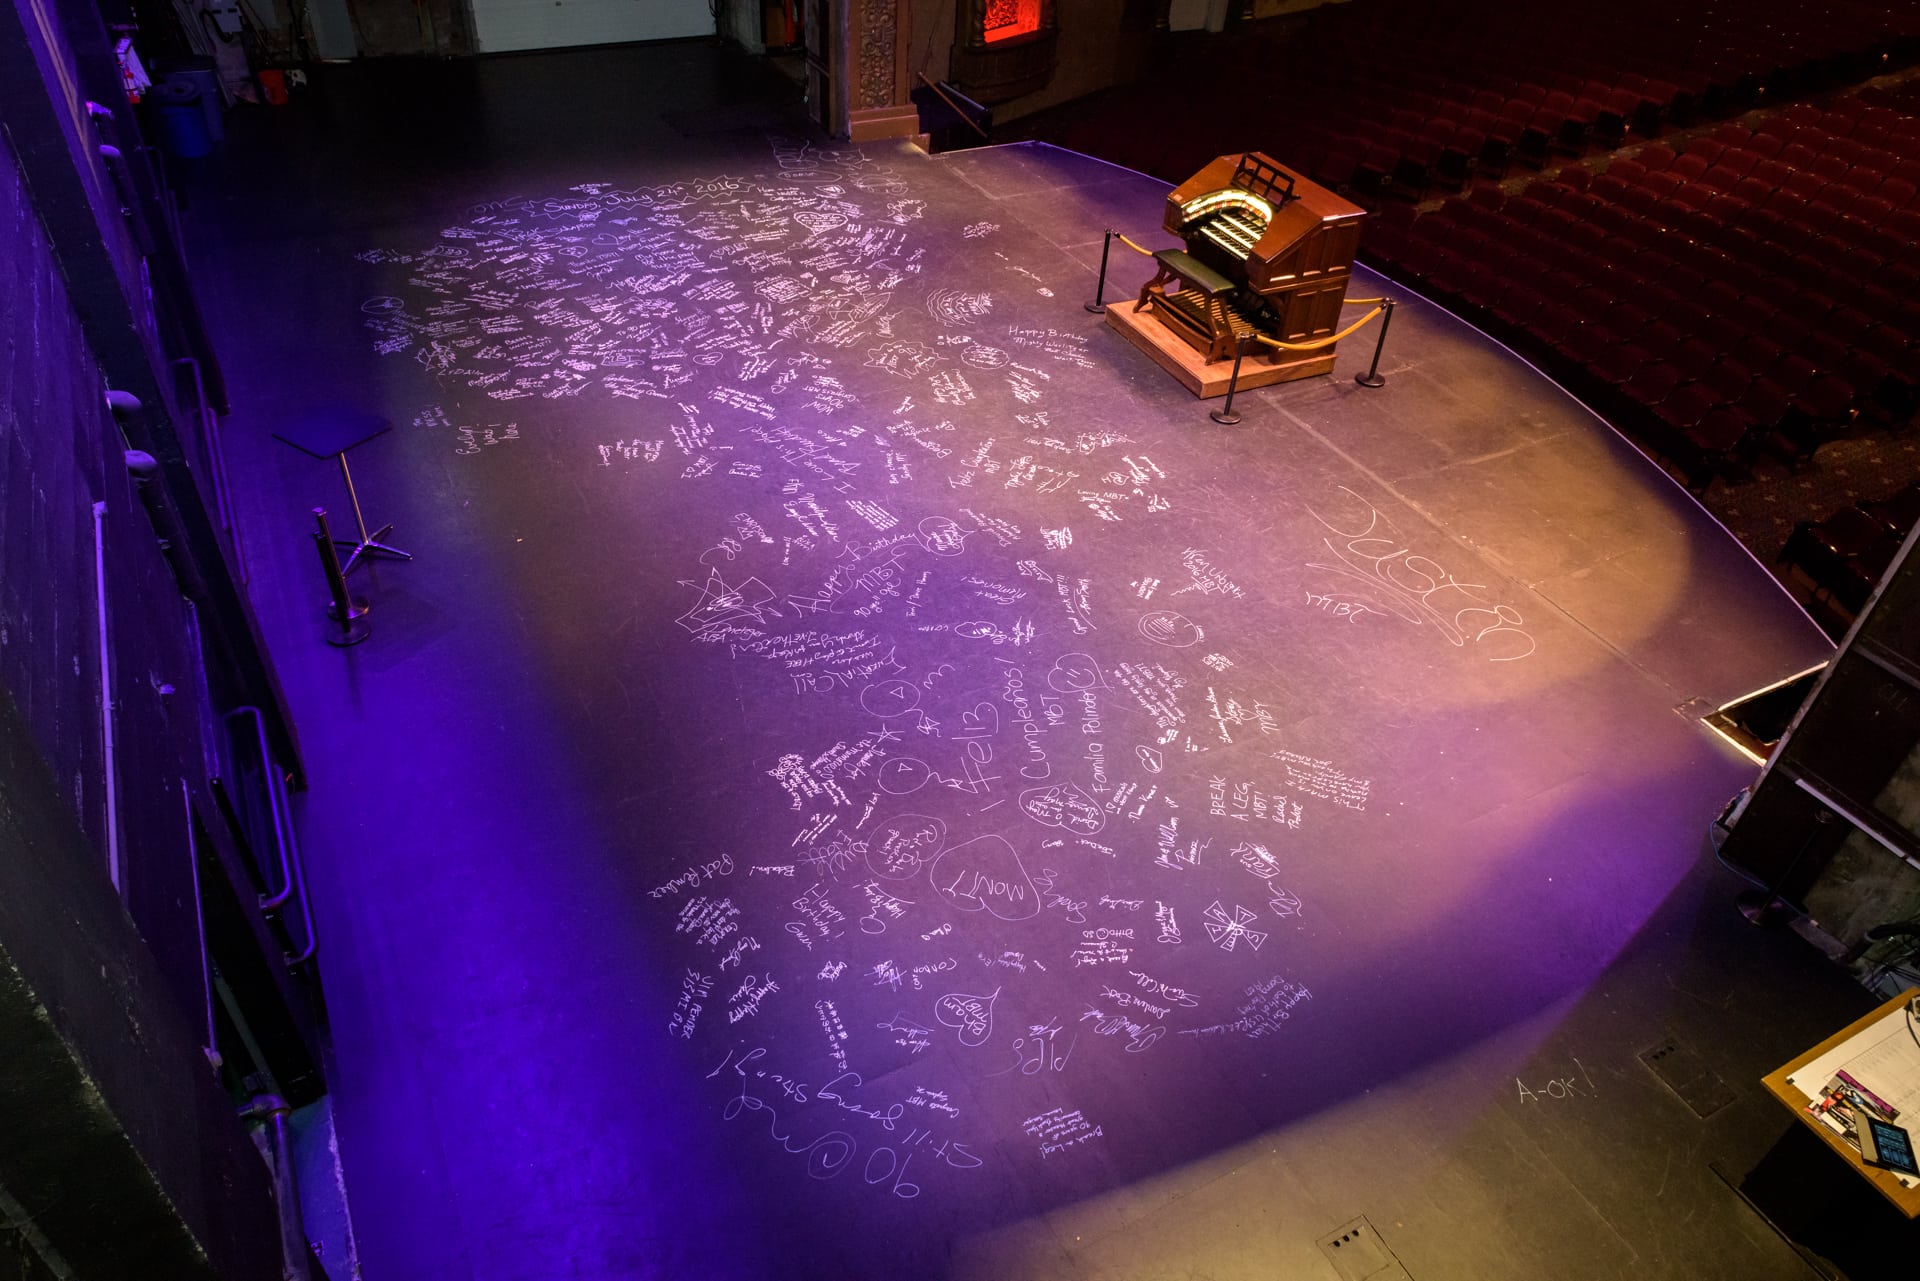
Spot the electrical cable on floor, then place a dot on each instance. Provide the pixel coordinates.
(1890, 977)
(1739, 871)
(1898, 963)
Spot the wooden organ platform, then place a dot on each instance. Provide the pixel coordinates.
(1267, 252)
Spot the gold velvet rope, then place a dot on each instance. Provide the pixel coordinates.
(1128, 241)
(1320, 342)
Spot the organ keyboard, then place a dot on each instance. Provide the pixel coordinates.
(1233, 233)
(1267, 252)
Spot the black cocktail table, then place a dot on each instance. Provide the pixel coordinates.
(329, 432)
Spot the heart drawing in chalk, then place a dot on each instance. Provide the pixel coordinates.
(1064, 805)
(942, 535)
(819, 221)
(985, 875)
(1075, 672)
(1171, 628)
(971, 1015)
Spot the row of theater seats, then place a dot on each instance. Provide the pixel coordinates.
(1753, 291)
(1436, 141)
(1375, 93)
(1844, 555)
(1432, 94)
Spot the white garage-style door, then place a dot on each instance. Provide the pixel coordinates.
(505, 25)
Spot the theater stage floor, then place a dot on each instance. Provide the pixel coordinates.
(862, 778)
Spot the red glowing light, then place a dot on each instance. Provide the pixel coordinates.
(1006, 19)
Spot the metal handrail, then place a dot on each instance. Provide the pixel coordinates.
(278, 898)
(305, 954)
(293, 881)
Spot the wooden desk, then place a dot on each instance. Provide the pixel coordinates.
(1907, 1200)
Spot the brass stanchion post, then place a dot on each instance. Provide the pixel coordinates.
(1372, 377)
(1098, 305)
(1225, 415)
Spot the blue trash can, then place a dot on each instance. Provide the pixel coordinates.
(212, 104)
(183, 121)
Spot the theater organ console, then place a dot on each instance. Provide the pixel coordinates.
(1266, 252)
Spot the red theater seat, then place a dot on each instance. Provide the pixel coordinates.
(1685, 405)
(1705, 150)
(1657, 157)
(1897, 192)
(1620, 363)
(1692, 163)
(1652, 383)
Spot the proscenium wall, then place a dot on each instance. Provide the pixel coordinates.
(109, 1021)
(49, 657)
(60, 453)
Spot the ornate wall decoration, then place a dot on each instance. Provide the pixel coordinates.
(879, 33)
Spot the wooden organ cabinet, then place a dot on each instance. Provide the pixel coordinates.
(1267, 253)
